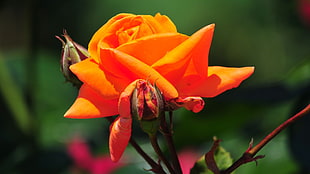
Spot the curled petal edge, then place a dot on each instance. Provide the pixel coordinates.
(194, 104)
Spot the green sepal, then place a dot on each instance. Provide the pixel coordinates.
(150, 126)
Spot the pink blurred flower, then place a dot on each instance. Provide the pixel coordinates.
(304, 11)
(187, 159)
(83, 160)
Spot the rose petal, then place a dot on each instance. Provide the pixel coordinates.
(219, 79)
(129, 28)
(151, 48)
(89, 104)
(194, 104)
(121, 128)
(88, 71)
(166, 23)
(93, 44)
(122, 69)
(106, 36)
(188, 59)
(119, 137)
(159, 23)
(122, 30)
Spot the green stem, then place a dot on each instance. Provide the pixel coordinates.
(153, 139)
(167, 133)
(156, 168)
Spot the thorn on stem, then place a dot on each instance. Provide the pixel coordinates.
(250, 145)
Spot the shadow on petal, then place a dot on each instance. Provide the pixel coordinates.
(219, 80)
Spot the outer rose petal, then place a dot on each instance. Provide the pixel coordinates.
(121, 128)
(122, 69)
(119, 137)
(187, 63)
(89, 104)
(151, 48)
(88, 71)
(194, 104)
(219, 79)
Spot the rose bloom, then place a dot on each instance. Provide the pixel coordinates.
(130, 47)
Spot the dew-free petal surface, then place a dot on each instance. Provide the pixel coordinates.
(166, 23)
(190, 58)
(219, 79)
(122, 69)
(89, 72)
(119, 137)
(90, 104)
(151, 48)
(101, 33)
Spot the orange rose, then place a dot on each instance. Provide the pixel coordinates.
(124, 28)
(130, 47)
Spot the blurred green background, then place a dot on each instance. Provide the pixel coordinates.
(273, 36)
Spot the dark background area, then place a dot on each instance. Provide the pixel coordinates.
(273, 36)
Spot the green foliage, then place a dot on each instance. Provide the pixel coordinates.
(221, 157)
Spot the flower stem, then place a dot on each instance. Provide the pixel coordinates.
(153, 139)
(275, 132)
(249, 155)
(156, 168)
(167, 132)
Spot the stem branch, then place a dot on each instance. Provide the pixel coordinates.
(275, 132)
(249, 155)
(167, 133)
(153, 139)
(156, 168)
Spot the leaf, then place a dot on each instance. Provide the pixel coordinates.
(200, 167)
(222, 160)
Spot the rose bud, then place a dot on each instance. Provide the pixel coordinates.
(71, 53)
(147, 106)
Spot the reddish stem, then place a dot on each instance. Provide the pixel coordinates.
(275, 132)
(249, 154)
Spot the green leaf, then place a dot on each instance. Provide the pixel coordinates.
(221, 157)
(200, 167)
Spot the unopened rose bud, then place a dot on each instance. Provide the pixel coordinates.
(147, 106)
(71, 53)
